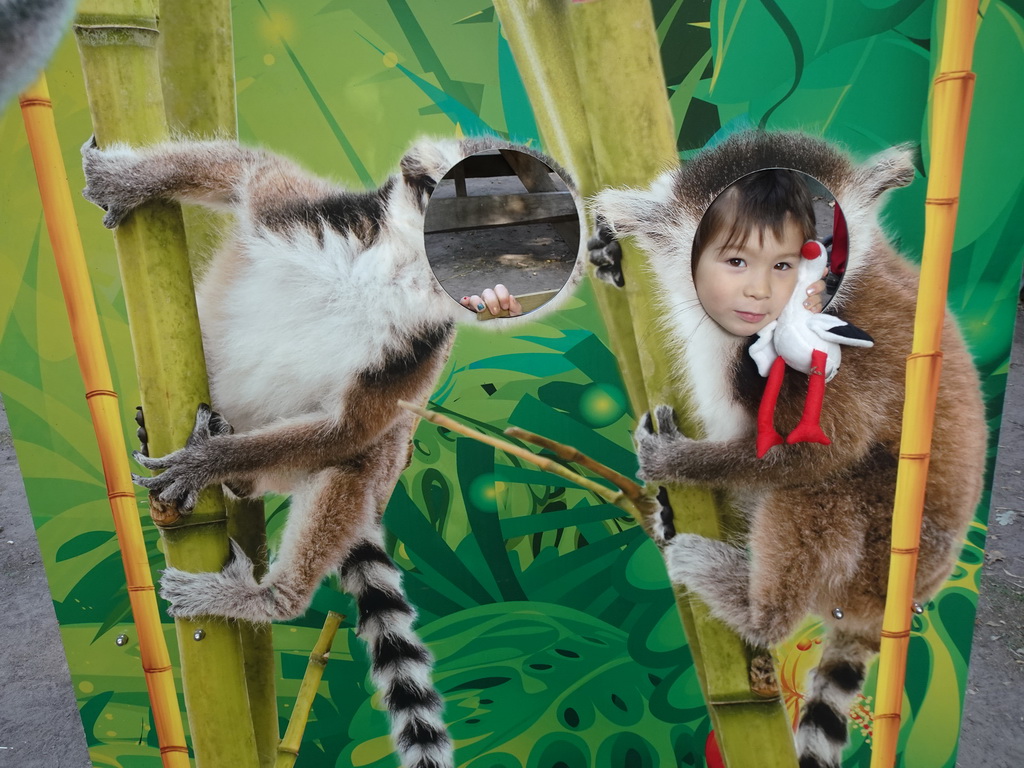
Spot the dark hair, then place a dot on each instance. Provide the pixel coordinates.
(761, 200)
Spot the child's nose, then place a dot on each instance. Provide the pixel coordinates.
(758, 286)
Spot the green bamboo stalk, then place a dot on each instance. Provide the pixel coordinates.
(198, 67)
(198, 79)
(536, 34)
(117, 43)
(288, 751)
(620, 88)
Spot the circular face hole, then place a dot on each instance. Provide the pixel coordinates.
(747, 257)
(502, 233)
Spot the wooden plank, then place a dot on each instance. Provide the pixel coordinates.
(536, 177)
(528, 301)
(486, 211)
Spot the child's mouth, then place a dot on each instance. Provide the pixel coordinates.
(751, 317)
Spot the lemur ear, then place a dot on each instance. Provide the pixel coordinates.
(428, 160)
(888, 169)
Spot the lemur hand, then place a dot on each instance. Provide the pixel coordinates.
(606, 254)
(499, 302)
(659, 452)
(186, 472)
(108, 182)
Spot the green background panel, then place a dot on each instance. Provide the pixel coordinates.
(554, 627)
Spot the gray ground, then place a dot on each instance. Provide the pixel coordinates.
(40, 726)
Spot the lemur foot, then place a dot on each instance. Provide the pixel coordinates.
(658, 452)
(232, 592)
(689, 557)
(763, 680)
(186, 472)
(108, 183)
(140, 433)
(606, 254)
(659, 519)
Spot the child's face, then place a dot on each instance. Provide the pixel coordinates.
(744, 287)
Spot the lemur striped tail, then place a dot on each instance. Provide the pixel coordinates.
(401, 664)
(832, 687)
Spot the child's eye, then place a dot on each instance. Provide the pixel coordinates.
(735, 262)
(783, 266)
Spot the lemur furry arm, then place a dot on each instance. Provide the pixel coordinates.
(219, 174)
(214, 455)
(668, 456)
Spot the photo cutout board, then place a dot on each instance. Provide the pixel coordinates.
(554, 628)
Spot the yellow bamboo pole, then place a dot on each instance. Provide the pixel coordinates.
(62, 226)
(598, 64)
(288, 750)
(117, 44)
(951, 106)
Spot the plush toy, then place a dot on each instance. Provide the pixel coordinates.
(808, 342)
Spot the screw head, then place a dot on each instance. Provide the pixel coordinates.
(199, 634)
(121, 640)
(917, 608)
(838, 613)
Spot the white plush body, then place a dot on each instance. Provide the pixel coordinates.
(799, 332)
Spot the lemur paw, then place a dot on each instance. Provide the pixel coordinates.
(658, 451)
(606, 254)
(107, 182)
(186, 472)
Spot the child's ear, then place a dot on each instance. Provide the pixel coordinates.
(888, 169)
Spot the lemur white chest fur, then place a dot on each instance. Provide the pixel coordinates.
(291, 321)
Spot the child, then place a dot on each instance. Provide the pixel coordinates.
(747, 249)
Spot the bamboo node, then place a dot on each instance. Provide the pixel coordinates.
(143, 588)
(963, 74)
(120, 495)
(942, 200)
(138, 34)
(98, 392)
(888, 633)
(26, 101)
(915, 456)
(915, 355)
(906, 551)
(173, 748)
(157, 670)
(887, 716)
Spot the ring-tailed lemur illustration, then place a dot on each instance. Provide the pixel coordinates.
(819, 516)
(318, 315)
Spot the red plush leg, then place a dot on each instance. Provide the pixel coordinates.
(809, 428)
(767, 437)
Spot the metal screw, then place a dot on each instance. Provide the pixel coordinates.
(837, 612)
(199, 634)
(917, 608)
(121, 640)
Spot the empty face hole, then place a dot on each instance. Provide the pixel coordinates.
(502, 229)
(747, 257)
